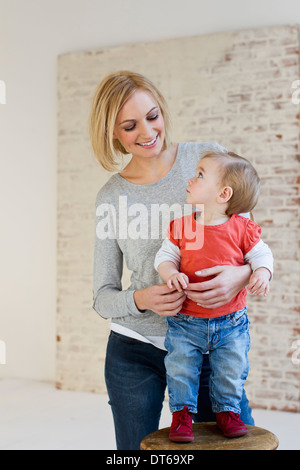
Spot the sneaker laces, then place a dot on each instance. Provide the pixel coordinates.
(235, 417)
(232, 417)
(184, 418)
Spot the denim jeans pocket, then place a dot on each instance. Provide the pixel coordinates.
(239, 317)
(179, 317)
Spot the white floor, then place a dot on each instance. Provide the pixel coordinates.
(37, 416)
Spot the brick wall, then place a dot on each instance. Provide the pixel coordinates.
(234, 88)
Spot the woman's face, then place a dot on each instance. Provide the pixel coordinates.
(140, 126)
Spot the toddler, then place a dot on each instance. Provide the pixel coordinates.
(225, 184)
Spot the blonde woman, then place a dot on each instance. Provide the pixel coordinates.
(129, 116)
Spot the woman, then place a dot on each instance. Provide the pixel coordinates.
(129, 116)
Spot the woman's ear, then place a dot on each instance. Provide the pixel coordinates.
(225, 194)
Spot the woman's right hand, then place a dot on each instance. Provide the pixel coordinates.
(160, 299)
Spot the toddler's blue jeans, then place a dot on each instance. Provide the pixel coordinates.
(136, 380)
(227, 340)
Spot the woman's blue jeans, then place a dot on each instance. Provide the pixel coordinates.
(228, 341)
(135, 377)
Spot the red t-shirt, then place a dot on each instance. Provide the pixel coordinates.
(206, 246)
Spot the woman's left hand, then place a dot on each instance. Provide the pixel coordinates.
(219, 291)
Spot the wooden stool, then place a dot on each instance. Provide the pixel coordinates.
(209, 437)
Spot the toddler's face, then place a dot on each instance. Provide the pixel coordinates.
(205, 186)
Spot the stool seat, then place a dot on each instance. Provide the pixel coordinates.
(209, 437)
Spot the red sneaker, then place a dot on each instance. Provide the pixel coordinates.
(181, 427)
(230, 424)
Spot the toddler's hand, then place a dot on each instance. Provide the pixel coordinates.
(259, 282)
(179, 281)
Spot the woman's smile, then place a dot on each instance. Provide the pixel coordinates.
(149, 144)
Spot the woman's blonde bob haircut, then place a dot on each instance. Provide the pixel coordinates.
(238, 173)
(111, 94)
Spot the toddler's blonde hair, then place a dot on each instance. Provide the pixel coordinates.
(238, 173)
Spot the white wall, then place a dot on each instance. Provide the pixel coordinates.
(32, 34)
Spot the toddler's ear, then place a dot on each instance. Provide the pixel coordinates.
(225, 194)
